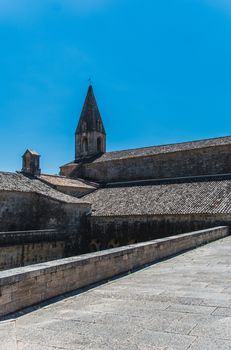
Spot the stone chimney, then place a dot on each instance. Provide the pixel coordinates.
(31, 163)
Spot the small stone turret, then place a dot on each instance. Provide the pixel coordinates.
(31, 163)
(90, 136)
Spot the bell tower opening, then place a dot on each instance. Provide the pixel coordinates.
(85, 145)
(99, 145)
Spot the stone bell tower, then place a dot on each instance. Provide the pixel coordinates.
(90, 136)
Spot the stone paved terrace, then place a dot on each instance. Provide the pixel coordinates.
(180, 303)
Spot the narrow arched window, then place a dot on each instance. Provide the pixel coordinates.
(85, 145)
(27, 161)
(99, 144)
(84, 126)
(98, 125)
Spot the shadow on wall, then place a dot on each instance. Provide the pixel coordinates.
(101, 233)
(96, 244)
(21, 211)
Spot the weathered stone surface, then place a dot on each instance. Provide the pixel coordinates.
(72, 187)
(29, 204)
(157, 308)
(173, 197)
(105, 232)
(29, 247)
(90, 136)
(135, 212)
(33, 284)
(205, 157)
(37, 223)
(23, 184)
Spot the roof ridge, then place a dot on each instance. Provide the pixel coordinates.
(195, 178)
(59, 176)
(9, 172)
(171, 144)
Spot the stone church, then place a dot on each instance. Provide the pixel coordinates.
(153, 191)
(107, 199)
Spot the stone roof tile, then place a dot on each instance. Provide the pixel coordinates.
(20, 183)
(211, 196)
(90, 114)
(171, 148)
(66, 182)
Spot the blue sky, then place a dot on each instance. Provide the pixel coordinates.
(161, 72)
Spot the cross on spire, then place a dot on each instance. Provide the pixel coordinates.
(90, 81)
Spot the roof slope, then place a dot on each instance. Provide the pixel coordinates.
(90, 114)
(192, 197)
(66, 182)
(155, 150)
(20, 183)
(32, 152)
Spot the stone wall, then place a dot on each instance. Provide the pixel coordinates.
(114, 231)
(94, 234)
(20, 211)
(23, 287)
(22, 248)
(204, 161)
(91, 137)
(27, 211)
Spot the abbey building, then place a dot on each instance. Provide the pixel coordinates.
(106, 199)
(153, 191)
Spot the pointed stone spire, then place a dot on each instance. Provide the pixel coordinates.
(90, 133)
(90, 118)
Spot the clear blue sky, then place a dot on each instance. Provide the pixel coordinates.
(161, 72)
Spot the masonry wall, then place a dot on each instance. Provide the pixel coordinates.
(108, 232)
(22, 248)
(91, 138)
(94, 234)
(210, 160)
(58, 228)
(20, 211)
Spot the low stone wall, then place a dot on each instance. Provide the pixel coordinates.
(105, 232)
(23, 287)
(22, 211)
(21, 248)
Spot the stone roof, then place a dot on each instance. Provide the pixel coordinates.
(90, 114)
(171, 148)
(195, 196)
(19, 183)
(34, 153)
(66, 182)
(155, 150)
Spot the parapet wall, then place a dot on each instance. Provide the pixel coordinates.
(23, 287)
(104, 232)
(21, 248)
